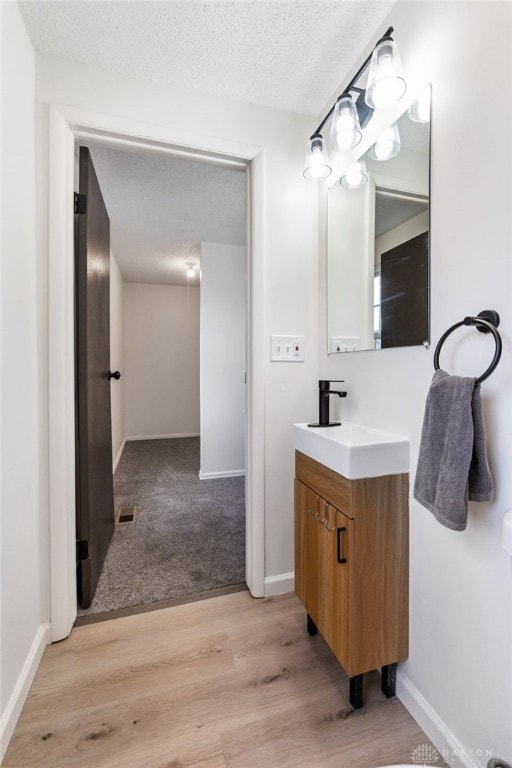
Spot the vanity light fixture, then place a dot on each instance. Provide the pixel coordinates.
(345, 126)
(351, 112)
(356, 175)
(386, 82)
(419, 111)
(316, 166)
(387, 145)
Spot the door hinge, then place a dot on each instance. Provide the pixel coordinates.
(80, 203)
(82, 549)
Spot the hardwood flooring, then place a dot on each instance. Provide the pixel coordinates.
(230, 682)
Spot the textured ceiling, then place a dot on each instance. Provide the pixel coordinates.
(390, 213)
(290, 55)
(161, 208)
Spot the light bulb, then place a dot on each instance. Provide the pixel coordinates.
(345, 127)
(355, 175)
(316, 166)
(386, 83)
(191, 268)
(419, 111)
(387, 145)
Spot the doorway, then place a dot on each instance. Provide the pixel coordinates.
(177, 317)
(66, 126)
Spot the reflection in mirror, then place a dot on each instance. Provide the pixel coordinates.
(378, 247)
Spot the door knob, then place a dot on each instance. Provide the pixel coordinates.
(115, 375)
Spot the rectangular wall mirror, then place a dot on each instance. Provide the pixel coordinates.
(378, 250)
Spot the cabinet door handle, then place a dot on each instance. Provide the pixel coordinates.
(339, 533)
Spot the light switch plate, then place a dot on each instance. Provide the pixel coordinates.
(287, 349)
(344, 343)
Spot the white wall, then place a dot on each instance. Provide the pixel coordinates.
(161, 337)
(460, 583)
(286, 205)
(117, 358)
(223, 359)
(23, 490)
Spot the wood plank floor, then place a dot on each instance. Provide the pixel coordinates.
(230, 682)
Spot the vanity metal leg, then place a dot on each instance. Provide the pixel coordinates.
(311, 626)
(356, 691)
(388, 680)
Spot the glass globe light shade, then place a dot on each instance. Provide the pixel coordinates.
(387, 145)
(345, 127)
(386, 82)
(355, 176)
(316, 166)
(419, 111)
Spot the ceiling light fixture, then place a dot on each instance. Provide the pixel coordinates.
(351, 112)
(191, 269)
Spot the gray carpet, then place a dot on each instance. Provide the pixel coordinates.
(189, 535)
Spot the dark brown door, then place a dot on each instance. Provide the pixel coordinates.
(404, 293)
(95, 495)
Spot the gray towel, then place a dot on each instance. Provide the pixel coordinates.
(452, 464)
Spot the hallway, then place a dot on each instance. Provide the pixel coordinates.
(188, 535)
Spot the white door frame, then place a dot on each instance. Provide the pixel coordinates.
(66, 125)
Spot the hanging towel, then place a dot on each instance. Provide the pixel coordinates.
(452, 464)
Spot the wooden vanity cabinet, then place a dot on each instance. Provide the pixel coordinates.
(351, 566)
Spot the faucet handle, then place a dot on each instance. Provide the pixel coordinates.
(325, 383)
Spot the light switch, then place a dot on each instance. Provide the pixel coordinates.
(287, 349)
(344, 343)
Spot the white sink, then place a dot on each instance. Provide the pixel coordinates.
(354, 450)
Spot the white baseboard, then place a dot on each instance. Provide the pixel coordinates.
(162, 437)
(17, 699)
(228, 473)
(119, 454)
(446, 743)
(280, 584)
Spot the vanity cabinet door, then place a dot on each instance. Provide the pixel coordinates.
(323, 562)
(335, 564)
(306, 556)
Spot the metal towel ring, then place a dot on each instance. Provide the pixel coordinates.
(485, 322)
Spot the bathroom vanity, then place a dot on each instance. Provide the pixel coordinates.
(351, 546)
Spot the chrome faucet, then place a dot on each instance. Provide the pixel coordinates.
(324, 391)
